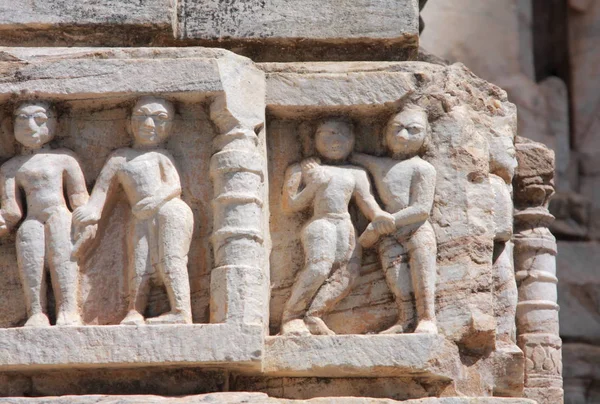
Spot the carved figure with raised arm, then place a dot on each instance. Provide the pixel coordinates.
(332, 254)
(41, 178)
(160, 231)
(406, 186)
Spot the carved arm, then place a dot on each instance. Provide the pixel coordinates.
(10, 201)
(292, 199)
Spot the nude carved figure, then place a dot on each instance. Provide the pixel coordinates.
(406, 185)
(332, 254)
(41, 177)
(160, 231)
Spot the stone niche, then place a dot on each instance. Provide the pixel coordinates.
(238, 126)
(93, 93)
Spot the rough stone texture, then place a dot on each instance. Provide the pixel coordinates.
(129, 346)
(464, 31)
(232, 175)
(326, 19)
(258, 398)
(428, 356)
(272, 30)
(103, 22)
(94, 112)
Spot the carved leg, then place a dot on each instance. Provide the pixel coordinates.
(175, 224)
(139, 270)
(319, 241)
(64, 272)
(422, 253)
(340, 282)
(398, 279)
(30, 258)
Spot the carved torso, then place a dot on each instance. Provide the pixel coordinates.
(141, 174)
(334, 196)
(40, 177)
(394, 180)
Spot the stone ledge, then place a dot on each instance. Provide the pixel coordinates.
(222, 345)
(256, 398)
(430, 356)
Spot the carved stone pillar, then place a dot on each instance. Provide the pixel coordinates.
(535, 266)
(240, 277)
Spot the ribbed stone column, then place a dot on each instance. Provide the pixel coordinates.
(237, 171)
(535, 266)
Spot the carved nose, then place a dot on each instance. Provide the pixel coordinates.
(149, 122)
(31, 125)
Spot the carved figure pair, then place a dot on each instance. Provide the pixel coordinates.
(406, 185)
(56, 232)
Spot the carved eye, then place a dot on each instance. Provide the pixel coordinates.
(40, 119)
(413, 130)
(162, 117)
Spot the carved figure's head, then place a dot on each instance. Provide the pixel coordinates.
(334, 139)
(406, 131)
(35, 124)
(503, 155)
(151, 120)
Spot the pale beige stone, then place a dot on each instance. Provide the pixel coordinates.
(327, 19)
(257, 398)
(41, 178)
(221, 345)
(160, 233)
(237, 127)
(424, 355)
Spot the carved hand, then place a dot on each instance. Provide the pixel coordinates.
(83, 239)
(384, 223)
(85, 214)
(313, 172)
(369, 237)
(147, 206)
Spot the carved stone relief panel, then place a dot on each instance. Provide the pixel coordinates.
(101, 138)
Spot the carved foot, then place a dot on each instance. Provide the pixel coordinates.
(426, 327)
(171, 318)
(395, 329)
(295, 327)
(65, 319)
(38, 320)
(133, 318)
(317, 326)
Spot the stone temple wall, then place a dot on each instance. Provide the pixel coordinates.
(266, 201)
(555, 96)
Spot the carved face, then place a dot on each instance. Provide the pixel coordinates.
(151, 120)
(334, 140)
(35, 124)
(503, 158)
(406, 132)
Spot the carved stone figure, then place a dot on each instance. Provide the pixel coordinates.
(406, 185)
(503, 163)
(329, 238)
(161, 228)
(42, 177)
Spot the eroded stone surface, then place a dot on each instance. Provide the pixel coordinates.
(235, 398)
(452, 130)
